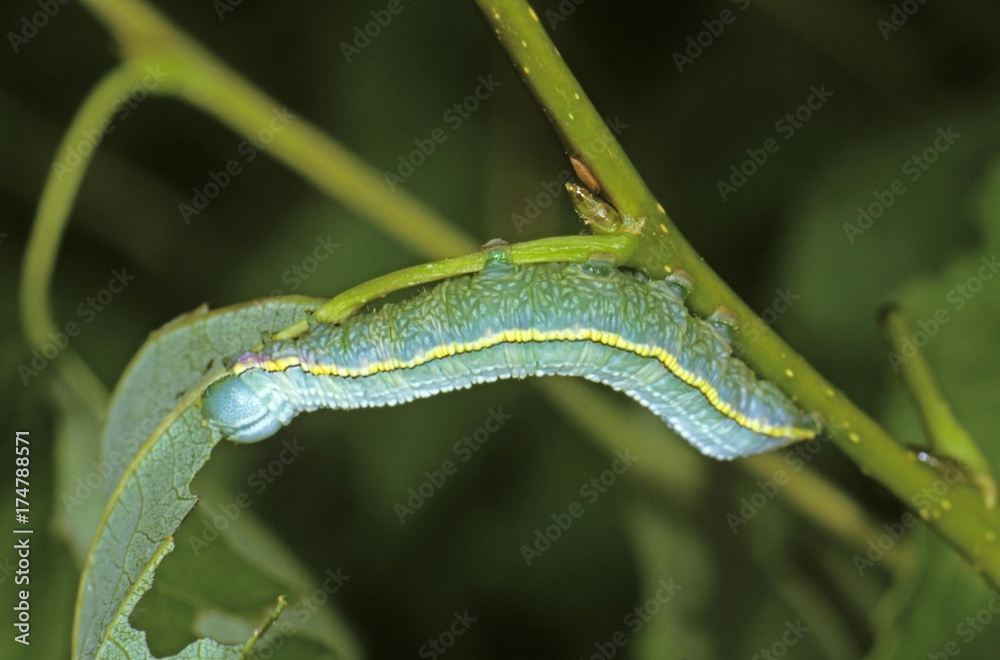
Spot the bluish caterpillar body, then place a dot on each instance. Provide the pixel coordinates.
(599, 323)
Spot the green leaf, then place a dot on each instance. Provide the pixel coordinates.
(963, 353)
(848, 265)
(153, 495)
(175, 359)
(219, 587)
(676, 585)
(78, 472)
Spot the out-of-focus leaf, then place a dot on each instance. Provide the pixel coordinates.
(225, 574)
(153, 495)
(78, 472)
(669, 621)
(940, 607)
(845, 266)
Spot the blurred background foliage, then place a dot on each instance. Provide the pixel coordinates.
(782, 231)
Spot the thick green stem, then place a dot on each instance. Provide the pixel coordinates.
(965, 521)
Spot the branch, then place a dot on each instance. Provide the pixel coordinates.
(198, 77)
(962, 518)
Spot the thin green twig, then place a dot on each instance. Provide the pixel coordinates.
(946, 435)
(198, 77)
(544, 250)
(149, 42)
(55, 205)
(258, 634)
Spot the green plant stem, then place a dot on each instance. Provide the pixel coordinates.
(544, 250)
(258, 634)
(965, 522)
(197, 76)
(150, 43)
(192, 74)
(55, 205)
(56, 202)
(947, 435)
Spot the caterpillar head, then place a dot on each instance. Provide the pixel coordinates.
(230, 406)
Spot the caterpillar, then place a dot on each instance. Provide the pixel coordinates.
(589, 320)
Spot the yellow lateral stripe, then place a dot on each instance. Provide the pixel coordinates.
(517, 336)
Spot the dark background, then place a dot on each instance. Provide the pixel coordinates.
(783, 230)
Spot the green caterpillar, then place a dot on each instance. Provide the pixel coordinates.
(562, 319)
